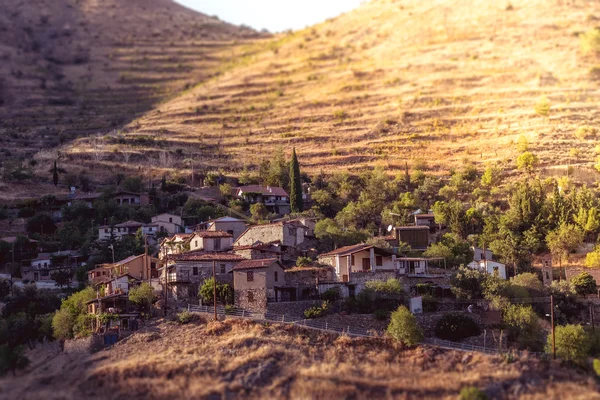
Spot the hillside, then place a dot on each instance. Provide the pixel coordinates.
(392, 82)
(246, 360)
(72, 68)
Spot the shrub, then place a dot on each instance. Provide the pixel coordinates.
(472, 393)
(303, 261)
(184, 317)
(572, 343)
(596, 366)
(583, 284)
(314, 312)
(391, 286)
(381, 315)
(523, 325)
(224, 292)
(590, 41)
(456, 327)
(404, 328)
(527, 161)
(542, 107)
(229, 309)
(331, 294)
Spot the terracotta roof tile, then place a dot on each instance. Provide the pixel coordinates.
(206, 256)
(252, 264)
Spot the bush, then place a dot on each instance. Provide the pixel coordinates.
(590, 41)
(331, 294)
(229, 309)
(583, 284)
(472, 393)
(404, 328)
(456, 327)
(381, 315)
(316, 312)
(184, 317)
(523, 325)
(224, 292)
(596, 366)
(303, 261)
(572, 343)
(391, 286)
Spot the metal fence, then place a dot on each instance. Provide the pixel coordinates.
(347, 330)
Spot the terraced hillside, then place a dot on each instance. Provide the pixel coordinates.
(390, 82)
(71, 68)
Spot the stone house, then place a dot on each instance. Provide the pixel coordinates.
(302, 283)
(358, 259)
(256, 282)
(99, 274)
(291, 234)
(235, 227)
(211, 241)
(169, 223)
(275, 199)
(186, 272)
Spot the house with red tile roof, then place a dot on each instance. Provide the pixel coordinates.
(274, 198)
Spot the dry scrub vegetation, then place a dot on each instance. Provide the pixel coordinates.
(248, 360)
(395, 81)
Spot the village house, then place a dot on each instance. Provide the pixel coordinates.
(290, 234)
(142, 267)
(46, 264)
(176, 244)
(427, 220)
(412, 265)
(235, 227)
(186, 272)
(128, 228)
(481, 254)
(417, 237)
(489, 267)
(169, 223)
(256, 282)
(259, 250)
(359, 262)
(130, 198)
(23, 243)
(275, 199)
(211, 241)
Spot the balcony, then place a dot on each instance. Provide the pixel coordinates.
(178, 277)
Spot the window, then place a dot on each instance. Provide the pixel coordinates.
(352, 259)
(171, 220)
(195, 271)
(378, 261)
(250, 296)
(250, 276)
(195, 243)
(366, 264)
(217, 243)
(223, 268)
(106, 231)
(276, 275)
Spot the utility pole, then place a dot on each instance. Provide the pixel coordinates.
(552, 322)
(592, 317)
(215, 288)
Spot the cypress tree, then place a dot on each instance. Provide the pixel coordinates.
(296, 204)
(163, 183)
(55, 174)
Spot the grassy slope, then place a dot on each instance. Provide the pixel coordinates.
(72, 68)
(249, 360)
(395, 81)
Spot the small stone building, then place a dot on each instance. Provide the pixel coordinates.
(211, 241)
(255, 283)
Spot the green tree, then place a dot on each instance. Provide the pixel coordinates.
(583, 284)
(542, 107)
(490, 177)
(404, 328)
(41, 223)
(564, 240)
(259, 212)
(55, 174)
(62, 277)
(523, 325)
(592, 259)
(572, 343)
(296, 203)
(527, 161)
(12, 359)
(224, 292)
(467, 283)
(142, 295)
(70, 321)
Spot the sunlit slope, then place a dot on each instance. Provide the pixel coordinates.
(391, 82)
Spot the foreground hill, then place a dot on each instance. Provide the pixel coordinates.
(73, 68)
(395, 81)
(238, 359)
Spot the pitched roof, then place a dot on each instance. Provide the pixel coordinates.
(213, 234)
(226, 219)
(127, 224)
(342, 251)
(256, 264)
(264, 190)
(424, 216)
(410, 228)
(259, 246)
(128, 259)
(206, 256)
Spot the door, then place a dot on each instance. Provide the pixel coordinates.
(366, 264)
(36, 276)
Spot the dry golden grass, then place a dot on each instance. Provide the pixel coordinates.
(249, 360)
(390, 82)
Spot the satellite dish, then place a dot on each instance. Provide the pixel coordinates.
(390, 227)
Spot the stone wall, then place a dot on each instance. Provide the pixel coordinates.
(88, 344)
(259, 303)
(293, 309)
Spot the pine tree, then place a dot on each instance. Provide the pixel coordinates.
(55, 174)
(295, 185)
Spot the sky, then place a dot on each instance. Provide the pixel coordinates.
(274, 15)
